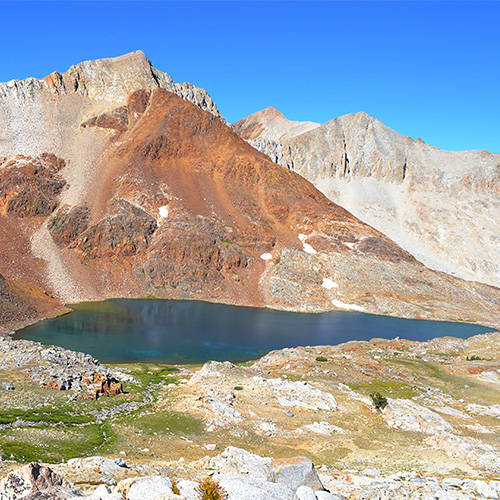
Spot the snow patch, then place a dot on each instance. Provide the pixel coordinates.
(349, 245)
(266, 256)
(343, 305)
(329, 284)
(309, 249)
(302, 237)
(163, 211)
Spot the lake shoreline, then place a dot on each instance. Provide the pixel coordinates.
(199, 331)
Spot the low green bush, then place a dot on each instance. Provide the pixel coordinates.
(379, 401)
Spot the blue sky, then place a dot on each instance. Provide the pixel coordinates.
(426, 69)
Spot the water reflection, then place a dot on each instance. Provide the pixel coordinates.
(193, 332)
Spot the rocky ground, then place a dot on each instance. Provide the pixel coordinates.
(437, 437)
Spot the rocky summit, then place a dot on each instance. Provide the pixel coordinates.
(440, 206)
(117, 182)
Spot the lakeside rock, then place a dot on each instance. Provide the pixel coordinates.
(61, 369)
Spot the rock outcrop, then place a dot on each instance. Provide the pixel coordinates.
(441, 206)
(297, 479)
(35, 482)
(61, 369)
(143, 190)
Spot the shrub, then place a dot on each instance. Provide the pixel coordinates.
(473, 358)
(321, 359)
(175, 487)
(238, 388)
(209, 489)
(379, 401)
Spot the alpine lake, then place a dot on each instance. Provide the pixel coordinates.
(190, 332)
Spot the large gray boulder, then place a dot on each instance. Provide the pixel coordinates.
(234, 461)
(35, 482)
(295, 472)
(248, 488)
(145, 488)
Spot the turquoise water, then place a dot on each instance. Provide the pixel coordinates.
(123, 330)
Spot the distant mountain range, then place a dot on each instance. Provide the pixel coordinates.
(441, 206)
(117, 182)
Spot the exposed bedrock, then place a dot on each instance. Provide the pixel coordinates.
(123, 184)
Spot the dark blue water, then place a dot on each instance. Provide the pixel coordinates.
(118, 331)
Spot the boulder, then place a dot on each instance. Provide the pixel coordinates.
(99, 464)
(188, 489)
(248, 488)
(237, 461)
(103, 492)
(305, 493)
(35, 481)
(295, 472)
(144, 488)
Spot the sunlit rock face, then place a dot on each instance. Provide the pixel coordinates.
(441, 206)
(116, 182)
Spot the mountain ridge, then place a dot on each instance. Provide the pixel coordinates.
(144, 192)
(380, 175)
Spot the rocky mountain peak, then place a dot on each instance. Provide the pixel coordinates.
(270, 124)
(412, 192)
(110, 80)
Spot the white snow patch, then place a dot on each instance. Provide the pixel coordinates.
(309, 249)
(163, 211)
(350, 245)
(302, 237)
(266, 256)
(343, 305)
(329, 284)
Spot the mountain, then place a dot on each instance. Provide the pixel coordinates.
(272, 125)
(441, 206)
(116, 182)
(22, 304)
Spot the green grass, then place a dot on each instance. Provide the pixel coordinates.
(431, 375)
(165, 422)
(45, 415)
(67, 443)
(152, 374)
(391, 389)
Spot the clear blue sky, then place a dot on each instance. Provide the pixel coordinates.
(426, 69)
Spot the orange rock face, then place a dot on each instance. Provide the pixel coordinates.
(150, 195)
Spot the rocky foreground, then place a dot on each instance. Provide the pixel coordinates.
(436, 436)
(236, 475)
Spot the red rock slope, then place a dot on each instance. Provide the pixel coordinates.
(159, 197)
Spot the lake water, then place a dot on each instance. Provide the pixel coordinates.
(123, 330)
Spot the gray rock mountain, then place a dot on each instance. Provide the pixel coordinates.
(443, 207)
